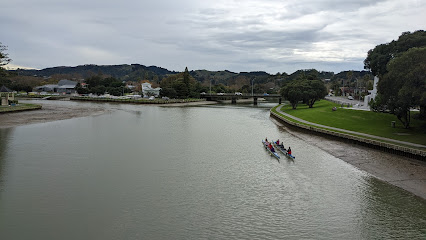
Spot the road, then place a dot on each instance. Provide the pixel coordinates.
(345, 101)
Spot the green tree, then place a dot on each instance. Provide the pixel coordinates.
(115, 91)
(181, 89)
(313, 90)
(81, 90)
(94, 81)
(404, 85)
(378, 58)
(308, 91)
(4, 59)
(400, 87)
(168, 92)
(183, 83)
(98, 90)
(293, 93)
(186, 80)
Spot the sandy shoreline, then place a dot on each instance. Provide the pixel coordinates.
(51, 111)
(48, 113)
(406, 173)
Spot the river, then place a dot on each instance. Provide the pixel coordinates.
(196, 172)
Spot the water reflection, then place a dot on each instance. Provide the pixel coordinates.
(4, 138)
(388, 212)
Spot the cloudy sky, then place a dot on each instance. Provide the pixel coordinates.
(236, 35)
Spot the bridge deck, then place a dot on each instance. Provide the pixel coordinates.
(233, 95)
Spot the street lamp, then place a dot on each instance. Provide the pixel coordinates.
(210, 87)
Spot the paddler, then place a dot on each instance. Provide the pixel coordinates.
(271, 147)
(289, 151)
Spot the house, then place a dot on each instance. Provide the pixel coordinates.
(6, 95)
(64, 86)
(147, 90)
(46, 88)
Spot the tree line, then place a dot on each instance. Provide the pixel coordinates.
(99, 85)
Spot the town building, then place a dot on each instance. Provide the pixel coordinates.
(64, 86)
(148, 91)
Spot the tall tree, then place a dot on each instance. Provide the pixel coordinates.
(400, 66)
(378, 58)
(293, 93)
(186, 80)
(314, 90)
(4, 59)
(404, 85)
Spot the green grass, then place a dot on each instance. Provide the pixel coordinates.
(19, 107)
(378, 124)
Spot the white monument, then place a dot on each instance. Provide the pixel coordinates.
(372, 94)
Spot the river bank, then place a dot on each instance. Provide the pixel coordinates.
(52, 111)
(19, 108)
(406, 173)
(49, 112)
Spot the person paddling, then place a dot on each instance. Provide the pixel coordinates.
(271, 147)
(289, 151)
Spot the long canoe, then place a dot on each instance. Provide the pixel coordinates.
(269, 150)
(283, 151)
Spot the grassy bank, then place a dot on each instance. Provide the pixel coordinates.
(378, 124)
(18, 108)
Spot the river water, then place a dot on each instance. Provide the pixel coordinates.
(200, 172)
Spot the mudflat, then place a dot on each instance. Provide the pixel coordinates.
(49, 112)
(406, 173)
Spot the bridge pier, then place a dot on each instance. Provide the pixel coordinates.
(234, 100)
(254, 100)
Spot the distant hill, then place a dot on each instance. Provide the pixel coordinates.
(133, 72)
(138, 72)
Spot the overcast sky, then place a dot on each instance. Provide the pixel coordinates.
(236, 35)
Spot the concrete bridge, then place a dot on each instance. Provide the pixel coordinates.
(233, 97)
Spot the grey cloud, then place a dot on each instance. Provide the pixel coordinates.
(235, 35)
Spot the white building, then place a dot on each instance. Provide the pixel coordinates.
(147, 90)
